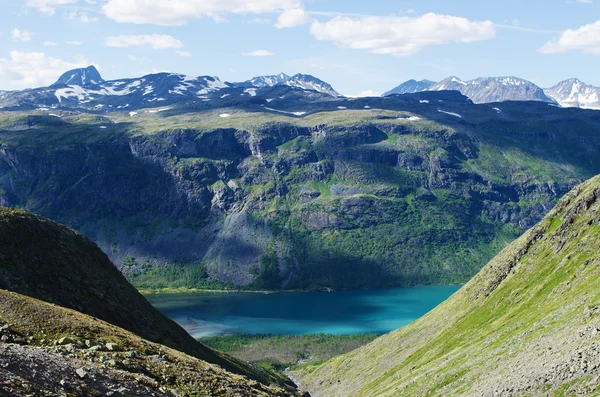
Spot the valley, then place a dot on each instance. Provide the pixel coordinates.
(294, 198)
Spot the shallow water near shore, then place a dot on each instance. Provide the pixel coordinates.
(298, 313)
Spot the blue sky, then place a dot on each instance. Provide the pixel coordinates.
(358, 47)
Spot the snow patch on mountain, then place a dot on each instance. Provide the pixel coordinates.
(450, 113)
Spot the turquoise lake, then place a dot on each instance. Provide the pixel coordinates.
(297, 313)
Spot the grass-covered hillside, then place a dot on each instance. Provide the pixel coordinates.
(284, 352)
(527, 325)
(42, 259)
(299, 192)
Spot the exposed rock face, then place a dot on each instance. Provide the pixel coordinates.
(526, 324)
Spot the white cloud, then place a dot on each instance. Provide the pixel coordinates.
(184, 53)
(259, 21)
(20, 35)
(293, 17)
(367, 93)
(586, 39)
(156, 41)
(82, 16)
(34, 69)
(50, 44)
(47, 6)
(178, 12)
(401, 36)
(73, 42)
(258, 53)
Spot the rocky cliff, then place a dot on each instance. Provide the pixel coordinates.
(414, 189)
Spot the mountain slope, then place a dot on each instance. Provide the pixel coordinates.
(82, 77)
(338, 192)
(49, 350)
(47, 261)
(527, 324)
(481, 90)
(575, 93)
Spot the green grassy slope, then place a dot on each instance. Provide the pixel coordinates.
(526, 325)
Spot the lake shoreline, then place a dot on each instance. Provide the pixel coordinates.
(186, 291)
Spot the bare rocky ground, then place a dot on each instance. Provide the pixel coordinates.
(46, 350)
(37, 371)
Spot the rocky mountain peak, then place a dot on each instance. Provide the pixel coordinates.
(81, 77)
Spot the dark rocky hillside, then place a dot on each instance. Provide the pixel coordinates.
(47, 261)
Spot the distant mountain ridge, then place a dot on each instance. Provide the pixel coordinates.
(86, 89)
(304, 81)
(575, 93)
(480, 90)
(411, 87)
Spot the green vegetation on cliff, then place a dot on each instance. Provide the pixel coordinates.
(528, 324)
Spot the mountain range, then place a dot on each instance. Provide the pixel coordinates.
(568, 93)
(575, 93)
(86, 89)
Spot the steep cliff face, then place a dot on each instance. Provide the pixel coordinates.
(527, 324)
(345, 198)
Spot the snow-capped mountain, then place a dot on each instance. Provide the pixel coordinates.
(81, 77)
(575, 93)
(411, 87)
(267, 81)
(147, 91)
(86, 89)
(487, 89)
(304, 81)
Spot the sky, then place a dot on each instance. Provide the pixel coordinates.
(359, 47)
